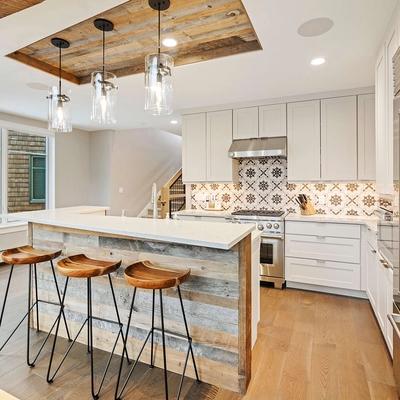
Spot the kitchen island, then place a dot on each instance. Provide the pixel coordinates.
(217, 297)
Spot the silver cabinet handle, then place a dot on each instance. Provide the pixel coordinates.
(321, 237)
(391, 318)
(385, 264)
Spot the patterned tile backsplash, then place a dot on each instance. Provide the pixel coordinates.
(263, 185)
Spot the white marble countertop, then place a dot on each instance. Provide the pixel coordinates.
(370, 222)
(208, 234)
(204, 213)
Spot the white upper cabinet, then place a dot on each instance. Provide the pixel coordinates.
(194, 148)
(384, 113)
(245, 123)
(220, 167)
(272, 120)
(366, 137)
(303, 133)
(339, 138)
(382, 178)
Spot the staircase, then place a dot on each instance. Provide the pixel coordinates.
(170, 199)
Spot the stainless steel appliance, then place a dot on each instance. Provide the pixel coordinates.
(389, 228)
(272, 251)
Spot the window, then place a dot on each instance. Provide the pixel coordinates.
(26, 171)
(37, 179)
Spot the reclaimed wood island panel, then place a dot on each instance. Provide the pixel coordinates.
(217, 296)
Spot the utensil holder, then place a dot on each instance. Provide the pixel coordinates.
(309, 210)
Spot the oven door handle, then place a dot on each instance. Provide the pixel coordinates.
(391, 318)
(272, 237)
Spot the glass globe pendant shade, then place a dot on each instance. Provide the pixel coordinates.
(59, 115)
(104, 96)
(158, 84)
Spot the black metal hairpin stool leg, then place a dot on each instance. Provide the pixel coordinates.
(89, 321)
(119, 393)
(30, 307)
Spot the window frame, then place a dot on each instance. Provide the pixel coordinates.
(5, 126)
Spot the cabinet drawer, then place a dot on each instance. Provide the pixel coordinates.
(323, 273)
(323, 229)
(323, 248)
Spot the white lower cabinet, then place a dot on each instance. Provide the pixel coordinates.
(323, 254)
(380, 292)
(323, 273)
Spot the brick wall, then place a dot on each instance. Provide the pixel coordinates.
(18, 170)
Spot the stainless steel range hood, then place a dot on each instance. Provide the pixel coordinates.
(258, 148)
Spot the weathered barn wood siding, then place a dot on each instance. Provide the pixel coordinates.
(215, 300)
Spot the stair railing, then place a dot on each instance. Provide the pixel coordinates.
(173, 196)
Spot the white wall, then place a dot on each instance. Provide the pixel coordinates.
(131, 160)
(72, 169)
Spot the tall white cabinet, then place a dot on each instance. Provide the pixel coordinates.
(303, 132)
(339, 138)
(384, 112)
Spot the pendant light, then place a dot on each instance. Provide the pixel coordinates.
(104, 84)
(59, 117)
(158, 72)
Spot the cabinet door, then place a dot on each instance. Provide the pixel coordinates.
(194, 148)
(303, 133)
(372, 277)
(381, 297)
(245, 123)
(383, 180)
(389, 309)
(366, 137)
(220, 167)
(272, 120)
(339, 138)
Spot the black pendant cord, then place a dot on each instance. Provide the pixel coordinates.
(159, 28)
(104, 54)
(59, 72)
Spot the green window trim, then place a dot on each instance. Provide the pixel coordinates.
(37, 179)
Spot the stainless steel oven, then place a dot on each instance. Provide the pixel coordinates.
(272, 259)
(272, 225)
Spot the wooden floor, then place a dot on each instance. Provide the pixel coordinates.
(310, 346)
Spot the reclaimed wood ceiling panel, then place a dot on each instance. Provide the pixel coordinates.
(204, 29)
(8, 7)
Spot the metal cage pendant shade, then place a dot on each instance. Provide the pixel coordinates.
(59, 114)
(158, 73)
(104, 85)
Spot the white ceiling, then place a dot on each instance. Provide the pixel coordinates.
(281, 69)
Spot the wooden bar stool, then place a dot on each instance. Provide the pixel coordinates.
(144, 275)
(28, 255)
(80, 266)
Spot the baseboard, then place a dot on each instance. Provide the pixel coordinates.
(360, 294)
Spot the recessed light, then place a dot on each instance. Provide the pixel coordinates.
(315, 27)
(169, 42)
(174, 122)
(318, 61)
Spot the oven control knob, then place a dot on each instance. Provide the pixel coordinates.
(260, 227)
(269, 226)
(276, 226)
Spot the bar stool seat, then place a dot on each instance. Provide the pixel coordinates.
(145, 275)
(31, 256)
(28, 255)
(80, 266)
